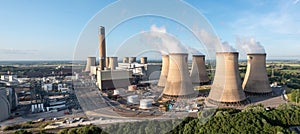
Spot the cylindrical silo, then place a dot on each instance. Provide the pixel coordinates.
(178, 82)
(4, 105)
(227, 86)
(91, 61)
(198, 73)
(113, 63)
(132, 59)
(146, 103)
(256, 79)
(164, 71)
(144, 60)
(133, 99)
(102, 47)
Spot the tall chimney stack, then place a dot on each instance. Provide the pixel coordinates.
(164, 71)
(256, 79)
(179, 84)
(102, 47)
(91, 61)
(198, 73)
(227, 86)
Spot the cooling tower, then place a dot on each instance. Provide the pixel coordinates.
(256, 80)
(113, 63)
(143, 60)
(4, 105)
(198, 72)
(132, 59)
(125, 59)
(107, 62)
(227, 86)
(179, 84)
(91, 61)
(102, 48)
(164, 71)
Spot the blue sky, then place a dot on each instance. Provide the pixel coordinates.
(50, 29)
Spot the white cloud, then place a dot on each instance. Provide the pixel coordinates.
(161, 29)
(13, 51)
(281, 20)
(249, 45)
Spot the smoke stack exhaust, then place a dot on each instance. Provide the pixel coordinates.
(113, 63)
(164, 71)
(179, 84)
(198, 73)
(227, 86)
(91, 61)
(256, 79)
(102, 47)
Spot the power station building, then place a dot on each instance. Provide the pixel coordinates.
(256, 80)
(227, 85)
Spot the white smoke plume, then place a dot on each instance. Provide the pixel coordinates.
(161, 40)
(227, 48)
(249, 45)
(193, 51)
(212, 41)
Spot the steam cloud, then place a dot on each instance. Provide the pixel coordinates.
(162, 41)
(249, 45)
(213, 41)
(227, 48)
(193, 51)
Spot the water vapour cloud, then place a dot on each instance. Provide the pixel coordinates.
(163, 41)
(193, 51)
(213, 41)
(249, 45)
(227, 48)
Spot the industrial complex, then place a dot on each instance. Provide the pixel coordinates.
(113, 88)
(128, 84)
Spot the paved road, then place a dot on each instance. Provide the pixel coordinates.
(93, 104)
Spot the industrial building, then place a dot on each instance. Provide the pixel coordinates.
(198, 73)
(112, 79)
(227, 86)
(111, 75)
(256, 80)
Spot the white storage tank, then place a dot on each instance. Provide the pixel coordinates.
(133, 99)
(116, 92)
(146, 103)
